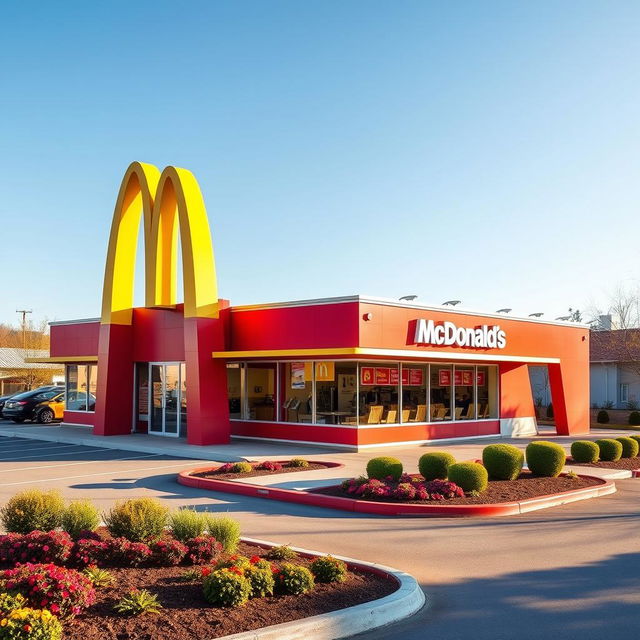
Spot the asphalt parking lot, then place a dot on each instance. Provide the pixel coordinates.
(572, 571)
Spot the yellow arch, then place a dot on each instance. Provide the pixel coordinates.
(158, 198)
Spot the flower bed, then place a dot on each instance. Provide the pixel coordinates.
(240, 470)
(186, 615)
(524, 487)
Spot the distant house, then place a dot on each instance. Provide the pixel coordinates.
(615, 368)
(18, 375)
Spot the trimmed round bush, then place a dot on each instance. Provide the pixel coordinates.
(225, 588)
(242, 467)
(636, 438)
(630, 447)
(610, 449)
(225, 530)
(634, 418)
(435, 465)
(383, 467)
(585, 451)
(503, 461)
(293, 579)
(137, 520)
(298, 462)
(545, 459)
(602, 417)
(33, 510)
(328, 569)
(80, 516)
(469, 476)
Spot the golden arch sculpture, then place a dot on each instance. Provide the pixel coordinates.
(167, 201)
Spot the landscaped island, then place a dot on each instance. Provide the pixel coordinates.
(153, 574)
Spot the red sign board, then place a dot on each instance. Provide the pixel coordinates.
(393, 376)
(367, 375)
(481, 381)
(405, 375)
(383, 375)
(416, 377)
(457, 378)
(444, 377)
(467, 378)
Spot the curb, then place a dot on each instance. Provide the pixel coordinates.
(407, 600)
(608, 473)
(396, 509)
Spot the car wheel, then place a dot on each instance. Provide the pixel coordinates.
(45, 416)
(18, 420)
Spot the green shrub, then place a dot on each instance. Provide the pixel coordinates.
(585, 451)
(634, 418)
(602, 417)
(435, 464)
(33, 509)
(469, 476)
(187, 523)
(226, 531)
(545, 459)
(636, 438)
(630, 446)
(610, 449)
(282, 552)
(224, 588)
(80, 516)
(328, 569)
(503, 461)
(100, 578)
(242, 467)
(30, 624)
(293, 579)
(261, 581)
(241, 562)
(137, 602)
(550, 412)
(137, 520)
(298, 462)
(383, 467)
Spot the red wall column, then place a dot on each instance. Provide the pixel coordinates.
(516, 399)
(569, 383)
(114, 401)
(207, 403)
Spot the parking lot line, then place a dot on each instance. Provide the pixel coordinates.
(65, 446)
(50, 455)
(93, 475)
(74, 464)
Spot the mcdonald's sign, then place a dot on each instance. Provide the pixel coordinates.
(167, 201)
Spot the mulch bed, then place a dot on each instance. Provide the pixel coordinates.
(624, 463)
(257, 472)
(186, 615)
(526, 486)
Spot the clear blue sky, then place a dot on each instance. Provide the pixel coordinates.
(485, 151)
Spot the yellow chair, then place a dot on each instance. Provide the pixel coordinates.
(441, 413)
(421, 414)
(470, 414)
(458, 413)
(391, 417)
(375, 414)
(405, 415)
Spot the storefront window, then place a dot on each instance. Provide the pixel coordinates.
(261, 390)
(487, 380)
(81, 382)
(465, 408)
(414, 392)
(297, 382)
(234, 389)
(379, 383)
(441, 384)
(336, 388)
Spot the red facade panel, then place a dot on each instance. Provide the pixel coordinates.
(75, 339)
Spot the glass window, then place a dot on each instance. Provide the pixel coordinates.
(465, 408)
(261, 390)
(234, 389)
(297, 382)
(440, 392)
(77, 384)
(487, 381)
(336, 388)
(379, 386)
(414, 392)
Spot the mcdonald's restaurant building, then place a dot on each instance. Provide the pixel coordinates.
(353, 372)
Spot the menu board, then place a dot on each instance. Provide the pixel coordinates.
(416, 377)
(444, 377)
(383, 375)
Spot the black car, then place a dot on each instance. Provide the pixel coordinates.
(40, 405)
(46, 387)
(3, 399)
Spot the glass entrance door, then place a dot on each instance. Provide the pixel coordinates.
(167, 388)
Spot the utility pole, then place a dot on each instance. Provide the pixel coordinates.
(24, 325)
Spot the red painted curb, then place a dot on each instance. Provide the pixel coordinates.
(390, 508)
